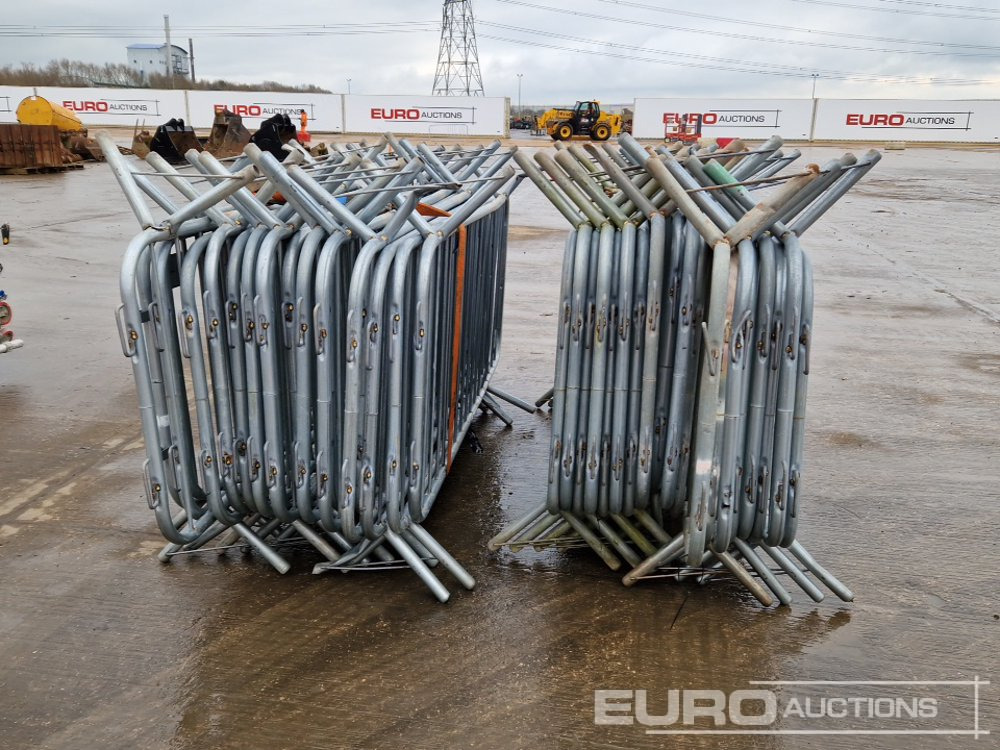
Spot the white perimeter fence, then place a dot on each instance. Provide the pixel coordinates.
(950, 120)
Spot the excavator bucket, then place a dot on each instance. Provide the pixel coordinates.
(173, 139)
(274, 133)
(83, 146)
(228, 136)
(140, 143)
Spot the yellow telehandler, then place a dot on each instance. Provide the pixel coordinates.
(585, 119)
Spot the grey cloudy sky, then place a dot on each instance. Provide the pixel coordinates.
(643, 47)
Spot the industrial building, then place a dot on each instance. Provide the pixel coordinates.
(152, 58)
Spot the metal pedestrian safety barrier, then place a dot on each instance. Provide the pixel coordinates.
(310, 341)
(682, 361)
(8, 341)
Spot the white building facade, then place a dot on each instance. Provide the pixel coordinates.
(151, 59)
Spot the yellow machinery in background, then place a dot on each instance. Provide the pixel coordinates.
(37, 110)
(585, 119)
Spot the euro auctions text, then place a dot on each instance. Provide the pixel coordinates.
(801, 707)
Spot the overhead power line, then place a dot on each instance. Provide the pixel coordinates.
(289, 30)
(907, 11)
(977, 8)
(715, 33)
(759, 66)
(609, 50)
(797, 29)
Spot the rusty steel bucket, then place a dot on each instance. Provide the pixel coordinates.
(229, 136)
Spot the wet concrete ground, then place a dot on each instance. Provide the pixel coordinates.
(103, 647)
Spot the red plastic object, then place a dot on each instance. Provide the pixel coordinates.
(723, 142)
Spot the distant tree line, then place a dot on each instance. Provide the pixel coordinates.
(118, 75)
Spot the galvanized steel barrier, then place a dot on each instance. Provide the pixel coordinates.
(682, 360)
(306, 373)
(8, 342)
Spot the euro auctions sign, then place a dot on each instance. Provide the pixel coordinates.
(120, 107)
(323, 110)
(749, 118)
(724, 118)
(466, 115)
(942, 120)
(448, 115)
(264, 110)
(922, 120)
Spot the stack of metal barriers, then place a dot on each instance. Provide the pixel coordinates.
(685, 330)
(306, 369)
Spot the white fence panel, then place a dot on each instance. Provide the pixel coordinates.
(96, 106)
(324, 110)
(429, 115)
(970, 121)
(725, 118)
(958, 121)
